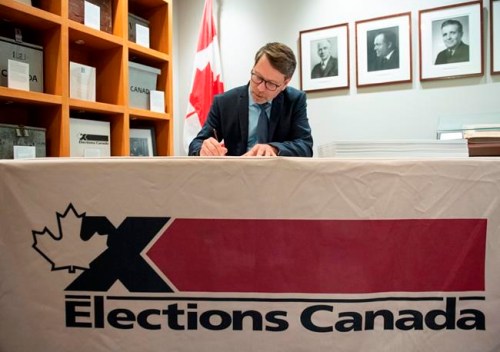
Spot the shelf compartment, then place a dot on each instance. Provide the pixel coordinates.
(119, 127)
(35, 114)
(162, 82)
(161, 127)
(41, 32)
(158, 13)
(76, 15)
(108, 61)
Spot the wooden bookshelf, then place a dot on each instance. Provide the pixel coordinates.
(47, 24)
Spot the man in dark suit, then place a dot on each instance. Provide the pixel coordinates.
(386, 50)
(328, 66)
(456, 50)
(237, 116)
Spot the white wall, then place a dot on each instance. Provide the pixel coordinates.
(404, 111)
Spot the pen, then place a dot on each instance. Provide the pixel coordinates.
(215, 134)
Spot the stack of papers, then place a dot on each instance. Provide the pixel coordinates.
(395, 149)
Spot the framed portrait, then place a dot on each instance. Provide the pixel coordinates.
(383, 50)
(451, 41)
(324, 58)
(142, 142)
(495, 36)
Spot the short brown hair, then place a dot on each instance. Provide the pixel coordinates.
(280, 56)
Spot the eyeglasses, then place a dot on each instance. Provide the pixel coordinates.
(257, 79)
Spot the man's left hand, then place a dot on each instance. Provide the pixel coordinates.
(262, 150)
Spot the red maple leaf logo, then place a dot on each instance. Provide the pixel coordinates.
(204, 89)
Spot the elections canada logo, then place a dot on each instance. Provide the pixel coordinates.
(104, 253)
(332, 276)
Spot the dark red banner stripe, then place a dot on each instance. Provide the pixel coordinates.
(323, 256)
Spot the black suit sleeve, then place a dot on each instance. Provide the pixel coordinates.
(295, 139)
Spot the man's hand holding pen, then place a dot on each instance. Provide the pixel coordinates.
(212, 146)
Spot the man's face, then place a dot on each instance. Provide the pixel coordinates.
(323, 50)
(451, 36)
(264, 70)
(380, 46)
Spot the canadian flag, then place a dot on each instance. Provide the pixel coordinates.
(207, 77)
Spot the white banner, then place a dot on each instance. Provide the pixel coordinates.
(260, 254)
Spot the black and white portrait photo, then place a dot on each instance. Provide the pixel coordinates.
(383, 54)
(324, 57)
(450, 37)
(451, 41)
(139, 147)
(142, 142)
(383, 49)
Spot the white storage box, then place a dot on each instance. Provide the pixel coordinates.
(142, 79)
(82, 81)
(89, 138)
(22, 52)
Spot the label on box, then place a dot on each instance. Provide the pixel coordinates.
(92, 17)
(142, 35)
(92, 153)
(18, 75)
(82, 84)
(24, 152)
(157, 100)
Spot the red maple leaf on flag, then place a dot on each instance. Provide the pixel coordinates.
(204, 88)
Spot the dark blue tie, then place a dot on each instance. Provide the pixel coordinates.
(263, 125)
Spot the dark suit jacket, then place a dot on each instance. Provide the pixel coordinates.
(391, 63)
(330, 70)
(461, 55)
(289, 129)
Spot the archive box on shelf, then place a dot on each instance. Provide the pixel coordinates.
(17, 135)
(23, 52)
(142, 79)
